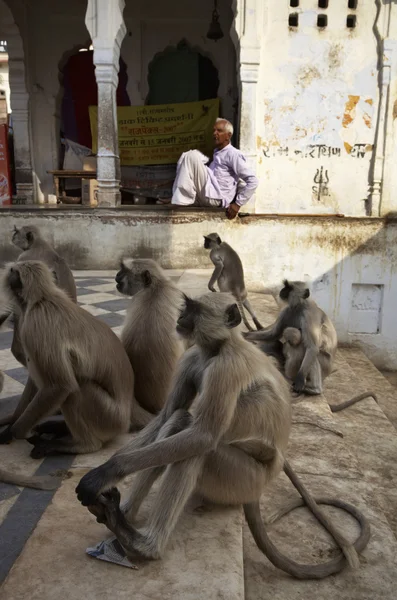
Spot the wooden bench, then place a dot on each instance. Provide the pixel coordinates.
(60, 175)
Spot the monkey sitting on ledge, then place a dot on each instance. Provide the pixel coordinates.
(227, 450)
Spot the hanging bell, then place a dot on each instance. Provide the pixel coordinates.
(215, 30)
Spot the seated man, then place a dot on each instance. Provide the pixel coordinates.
(215, 185)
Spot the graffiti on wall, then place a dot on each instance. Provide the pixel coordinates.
(321, 181)
(316, 151)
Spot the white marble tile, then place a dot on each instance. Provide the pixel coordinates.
(102, 274)
(97, 297)
(104, 287)
(117, 330)
(11, 387)
(7, 361)
(121, 312)
(94, 310)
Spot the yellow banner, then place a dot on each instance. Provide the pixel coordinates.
(155, 135)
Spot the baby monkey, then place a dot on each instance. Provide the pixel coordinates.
(229, 275)
(309, 339)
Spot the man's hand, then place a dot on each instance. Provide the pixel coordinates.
(232, 210)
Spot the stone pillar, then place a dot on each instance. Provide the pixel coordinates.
(104, 21)
(20, 109)
(383, 179)
(249, 26)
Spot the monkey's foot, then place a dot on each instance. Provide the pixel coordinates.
(55, 428)
(107, 511)
(299, 384)
(6, 436)
(41, 448)
(107, 508)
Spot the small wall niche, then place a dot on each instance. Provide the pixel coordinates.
(352, 4)
(293, 20)
(294, 3)
(322, 21)
(366, 308)
(323, 3)
(351, 21)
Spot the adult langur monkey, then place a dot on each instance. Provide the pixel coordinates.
(78, 365)
(232, 445)
(148, 335)
(229, 275)
(37, 482)
(310, 339)
(34, 247)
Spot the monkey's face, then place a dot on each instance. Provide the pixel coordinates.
(286, 290)
(14, 281)
(186, 323)
(208, 321)
(19, 239)
(130, 281)
(125, 281)
(211, 240)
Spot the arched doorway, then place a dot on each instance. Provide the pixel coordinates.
(181, 74)
(80, 92)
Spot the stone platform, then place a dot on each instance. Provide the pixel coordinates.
(351, 455)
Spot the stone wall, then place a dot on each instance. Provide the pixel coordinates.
(350, 263)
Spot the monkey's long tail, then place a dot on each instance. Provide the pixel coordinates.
(243, 315)
(258, 530)
(338, 407)
(279, 560)
(37, 482)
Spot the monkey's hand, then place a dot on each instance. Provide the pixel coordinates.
(41, 448)
(249, 335)
(299, 383)
(211, 288)
(90, 486)
(6, 436)
(107, 508)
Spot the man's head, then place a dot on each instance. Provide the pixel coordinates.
(223, 131)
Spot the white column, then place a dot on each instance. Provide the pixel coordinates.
(104, 21)
(249, 26)
(20, 109)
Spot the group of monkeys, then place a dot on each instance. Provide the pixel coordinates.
(212, 406)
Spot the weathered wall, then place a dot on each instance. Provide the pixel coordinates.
(317, 107)
(351, 263)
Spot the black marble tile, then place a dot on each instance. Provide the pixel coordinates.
(112, 319)
(19, 374)
(113, 305)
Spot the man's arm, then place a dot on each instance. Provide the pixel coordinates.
(244, 172)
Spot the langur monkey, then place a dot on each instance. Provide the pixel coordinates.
(37, 482)
(34, 247)
(309, 337)
(227, 450)
(229, 275)
(76, 363)
(149, 336)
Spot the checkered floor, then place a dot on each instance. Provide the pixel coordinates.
(20, 509)
(97, 295)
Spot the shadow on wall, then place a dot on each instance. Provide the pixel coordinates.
(359, 288)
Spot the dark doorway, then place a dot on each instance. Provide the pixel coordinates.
(80, 92)
(181, 74)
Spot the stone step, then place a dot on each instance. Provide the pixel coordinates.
(204, 558)
(359, 468)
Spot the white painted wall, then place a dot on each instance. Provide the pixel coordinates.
(317, 99)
